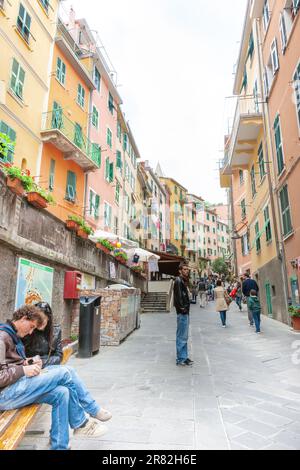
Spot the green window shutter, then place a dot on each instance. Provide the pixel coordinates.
(257, 237)
(297, 91)
(97, 78)
(119, 131)
(57, 119)
(125, 141)
(107, 167)
(97, 204)
(110, 103)
(117, 193)
(109, 137)
(96, 154)
(9, 149)
(78, 138)
(119, 160)
(71, 186)
(278, 143)
(253, 182)
(261, 161)
(268, 224)
(17, 79)
(24, 23)
(285, 211)
(91, 200)
(80, 95)
(95, 117)
(111, 172)
(51, 175)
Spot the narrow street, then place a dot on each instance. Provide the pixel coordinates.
(243, 391)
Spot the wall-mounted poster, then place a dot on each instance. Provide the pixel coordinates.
(34, 283)
(88, 282)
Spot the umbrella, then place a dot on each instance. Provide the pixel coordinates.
(144, 255)
(112, 237)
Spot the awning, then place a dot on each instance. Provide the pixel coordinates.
(112, 237)
(144, 255)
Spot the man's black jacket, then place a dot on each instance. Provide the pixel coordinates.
(248, 285)
(181, 297)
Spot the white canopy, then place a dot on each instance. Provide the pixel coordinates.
(111, 237)
(144, 255)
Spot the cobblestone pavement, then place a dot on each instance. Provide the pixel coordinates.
(243, 391)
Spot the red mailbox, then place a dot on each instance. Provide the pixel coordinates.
(72, 285)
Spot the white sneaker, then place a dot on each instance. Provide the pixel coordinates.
(103, 415)
(91, 429)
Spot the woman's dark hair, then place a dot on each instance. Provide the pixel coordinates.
(48, 331)
(219, 282)
(30, 312)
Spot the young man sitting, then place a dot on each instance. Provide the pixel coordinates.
(22, 382)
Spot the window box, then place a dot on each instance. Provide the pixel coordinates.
(72, 225)
(36, 200)
(15, 185)
(82, 234)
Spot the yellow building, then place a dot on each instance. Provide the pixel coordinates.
(178, 222)
(27, 31)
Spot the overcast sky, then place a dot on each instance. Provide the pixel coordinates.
(175, 62)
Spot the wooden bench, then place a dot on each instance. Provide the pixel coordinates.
(13, 423)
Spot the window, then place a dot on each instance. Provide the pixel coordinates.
(57, 116)
(125, 141)
(51, 175)
(255, 95)
(119, 160)
(107, 214)
(251, 46)
(285, 211)
(257, 237)
(71, 187)
(117, 195)
(96, 154)
(297, 91)
(24, 23)
(296, 7)
(261, 162)
(283, 32)
(80, 95)
(274, 56)
(97, 78)
(207, 216)
(119, 131)
(266, 14)
(78, 137)
(61, 71)
(45, 4)
(17, 79)
(245, 81)
(241, 175)
(268, 224)
(110, 103)
(243, 207)
(94, 204)
(107, 169)
(7, 151)
(95, 117)
(253, 182)
(111, 172)
(109, 137)
(279, 146)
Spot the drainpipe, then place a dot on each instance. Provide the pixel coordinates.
(280, 249)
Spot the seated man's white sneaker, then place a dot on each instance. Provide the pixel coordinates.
(91, 429)
(103, 415)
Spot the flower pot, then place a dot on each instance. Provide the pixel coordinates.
(103, 248)
(296, 323)
(15, 185)
(36, 200)
(82, 234)
(72, 225)
(120, 259)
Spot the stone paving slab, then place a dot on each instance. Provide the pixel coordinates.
(243, 391)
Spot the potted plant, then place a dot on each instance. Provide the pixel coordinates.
(294, 311)
(18, 180)
(137, 269)
(84, 230)
(73, 223)
(104, 245)
(39, 197)
(120, 256)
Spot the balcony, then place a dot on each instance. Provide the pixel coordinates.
(67, 137)
(247, 125)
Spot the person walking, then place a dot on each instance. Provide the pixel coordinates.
(247, 286)
(202, 289)
(237, 295)
(182, 305)
(221, 304)
(255, 308)
(194, 292)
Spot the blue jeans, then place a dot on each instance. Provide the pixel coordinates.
(256, 318)
(238, 301)
(182, 335)
(56, 388)
(223, 317)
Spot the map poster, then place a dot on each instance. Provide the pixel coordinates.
(34, 283)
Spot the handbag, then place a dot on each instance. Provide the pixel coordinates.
(227, 298)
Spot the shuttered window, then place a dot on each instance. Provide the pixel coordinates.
(80, 95)
(297, 92)
(261, 162)
(97, 78)
(24, 23)
(109, 137)
(95, 117)
(61, 71)
(285, 211)
(257, 236)
(117, 195)
(51, 175)
(94, 204)
(17, 79)
(7, 150)
(278, 143)
(268, 224)
(71, 186)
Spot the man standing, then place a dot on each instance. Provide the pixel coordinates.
(22, 382)
(248, 285)
(182, 305)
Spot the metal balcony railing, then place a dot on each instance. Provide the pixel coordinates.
(56, 120)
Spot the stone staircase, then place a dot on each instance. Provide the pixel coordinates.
(154, 302)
